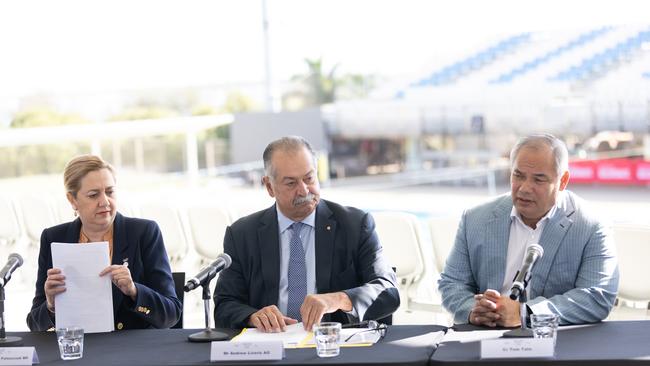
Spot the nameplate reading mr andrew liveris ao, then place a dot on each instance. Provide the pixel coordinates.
(246, 351)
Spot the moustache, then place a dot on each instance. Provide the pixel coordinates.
(302, 200)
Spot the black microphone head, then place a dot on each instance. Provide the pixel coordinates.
(189, 286)
(226, 259)
(535, 248)
(18, 258)
(514, 293)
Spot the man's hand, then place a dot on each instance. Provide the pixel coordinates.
(492, 309)
(507, 309)
(317, 305)
(269, 319)
(484, 311)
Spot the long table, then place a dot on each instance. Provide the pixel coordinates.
(402, 345)
(606, 343)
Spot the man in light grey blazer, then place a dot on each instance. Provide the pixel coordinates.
(576, 278)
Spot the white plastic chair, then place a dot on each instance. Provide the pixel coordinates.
(169, 220)
(443, 235)
(63, 209)
(10, 232)
(208, 225)
(9, 225)
(399, 236)
(633, 247)
(442, 232)
(38, 214)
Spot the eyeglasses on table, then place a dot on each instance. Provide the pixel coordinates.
(373, 326)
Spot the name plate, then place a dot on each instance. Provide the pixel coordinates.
(18, 356)
(246, 351)
(518, 348)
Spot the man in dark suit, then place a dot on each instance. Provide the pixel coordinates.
(303, 259)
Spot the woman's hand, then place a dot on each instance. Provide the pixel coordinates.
(121, 277)
(54, 285)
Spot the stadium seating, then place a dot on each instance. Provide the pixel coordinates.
(579, 41)
(451, 73)
(573, 57)
(600, 62)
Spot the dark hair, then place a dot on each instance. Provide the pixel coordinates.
(286, 143)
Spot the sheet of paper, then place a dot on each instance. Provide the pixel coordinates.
(477, 335)
(291, 338)
(296, 337)
(88, 299)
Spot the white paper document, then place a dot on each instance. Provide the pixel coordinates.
(291, 338)
(296, 337)
(473, 336)
(88, 299)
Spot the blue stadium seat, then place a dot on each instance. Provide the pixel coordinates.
(539, 60)
(600, 62)
(451, 73)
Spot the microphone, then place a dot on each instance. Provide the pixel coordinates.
(223, 261)
(14, 261)
(533, 253)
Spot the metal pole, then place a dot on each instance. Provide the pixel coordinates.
(267, 59)
(523, 311)
(206, 305)
(3, 335)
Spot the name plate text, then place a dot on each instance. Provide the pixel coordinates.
(246, 351)
(518, 348)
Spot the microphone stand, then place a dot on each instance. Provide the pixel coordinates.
(4, 340)
(208, 334)
(523, 331)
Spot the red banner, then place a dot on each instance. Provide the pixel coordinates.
(612, 171)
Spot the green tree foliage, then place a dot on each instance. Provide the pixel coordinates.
(237, 102)
(40, 159)
(162, 153)
(140, 112)
(355, 86)
(319, 86)
(44, 116)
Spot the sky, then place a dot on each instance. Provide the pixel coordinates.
(85, 46)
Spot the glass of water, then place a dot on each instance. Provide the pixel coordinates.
(327, 336)
(544, 325)
(71, 342)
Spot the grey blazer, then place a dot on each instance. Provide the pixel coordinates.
(577, 277)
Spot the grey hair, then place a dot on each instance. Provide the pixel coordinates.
(560, 152)
(286, 143)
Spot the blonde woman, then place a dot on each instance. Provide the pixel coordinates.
(143, 291)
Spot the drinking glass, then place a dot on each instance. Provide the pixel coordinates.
(71, 342)
(327, 336)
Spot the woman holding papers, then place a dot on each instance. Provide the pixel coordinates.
(143, 288)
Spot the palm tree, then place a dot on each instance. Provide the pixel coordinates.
(318, 86)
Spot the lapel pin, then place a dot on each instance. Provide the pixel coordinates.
(328, 228)
(125, 262)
